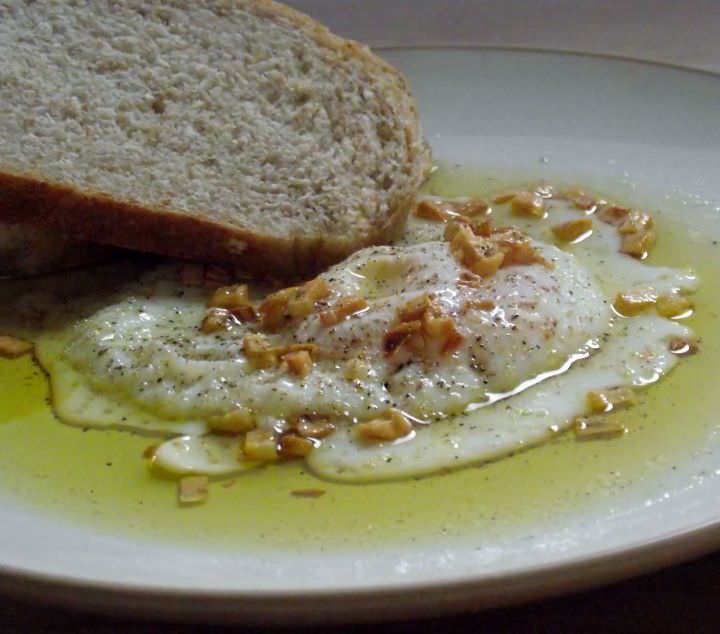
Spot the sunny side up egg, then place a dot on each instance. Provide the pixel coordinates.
(479, 355)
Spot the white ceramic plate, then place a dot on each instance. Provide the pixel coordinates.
(609, 123)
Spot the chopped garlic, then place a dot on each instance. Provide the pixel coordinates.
(215, 320)
(344, 308)
(632, 303)
(607, 400)
(572, 230)
(473, 207)
(260, 445)
(237, 421)
(479, 255)
(235, 299)
(391, 426)
(613, 215)
(682, 347)
(299, 363)
(636, 222)
(674, 306)
(431, 210)
(193, 489)
(597, 428)
(399, 334)
(528, 204)
(292, 446)
(294, 302)
(258, 351)
(638, 244)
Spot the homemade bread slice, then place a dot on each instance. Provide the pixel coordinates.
(231, 131)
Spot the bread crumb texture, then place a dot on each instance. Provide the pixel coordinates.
(244, 114)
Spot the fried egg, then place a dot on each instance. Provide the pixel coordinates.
(531, 341)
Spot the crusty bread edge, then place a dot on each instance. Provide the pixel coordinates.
(98, 217)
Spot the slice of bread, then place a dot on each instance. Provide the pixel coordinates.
(238, 131)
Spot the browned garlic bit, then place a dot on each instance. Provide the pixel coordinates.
(390, 426)
(345, 307)
(13, 347)
(613, 214)
(235, 299)
(478, 254)
(259, 351)
(597, 428)
(216, 319)
(634, 227)
(636, 222)
(528, 204)
(421, 322)
(264, 356)
(193, 489)
(669, 305)
(599, 425)
(237, 421)
(478, 304)
(638, 244)
(573, 229)
(293, 446)
(473, 207)
(265, 445)
(295, 302)
(517, 248)
(632, 303)
(433, 210)
(444, 211)
(683, 347)
(299, 363)
(484, 249)
(673, 305)
(607, 400)
(578, 198)
(260, 445)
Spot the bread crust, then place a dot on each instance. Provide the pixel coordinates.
(98, 217)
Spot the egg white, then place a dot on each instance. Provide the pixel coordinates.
(140, 363)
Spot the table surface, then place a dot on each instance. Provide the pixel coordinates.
(680, 599)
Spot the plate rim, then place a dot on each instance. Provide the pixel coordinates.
(363, 604)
